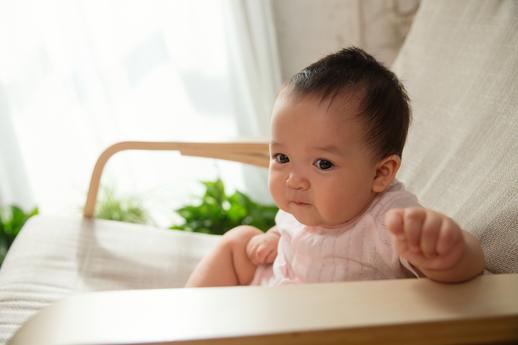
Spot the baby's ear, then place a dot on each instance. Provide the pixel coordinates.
(386, 170)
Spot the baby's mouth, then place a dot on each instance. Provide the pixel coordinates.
(299, 203)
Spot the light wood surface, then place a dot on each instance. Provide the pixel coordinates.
(255, 153)
(409, 311)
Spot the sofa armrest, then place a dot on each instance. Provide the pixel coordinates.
(409, 311)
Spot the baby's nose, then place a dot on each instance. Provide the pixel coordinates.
(295, 181)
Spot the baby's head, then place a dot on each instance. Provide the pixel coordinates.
(338, 131)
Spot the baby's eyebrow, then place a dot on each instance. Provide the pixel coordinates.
(330, 148)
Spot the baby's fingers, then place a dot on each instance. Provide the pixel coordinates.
(394, 221)
(271, 257)
(450, 236)
(412, 224)
(262, 254)
(251, 249)
(431, 229)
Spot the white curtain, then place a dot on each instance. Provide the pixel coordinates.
(76, 76)
(14, 187)
(256, 78)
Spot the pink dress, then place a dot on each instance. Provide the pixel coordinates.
(361, 249)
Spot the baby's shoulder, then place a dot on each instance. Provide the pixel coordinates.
(396, 196)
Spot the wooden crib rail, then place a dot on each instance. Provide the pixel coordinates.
(255, 153)
(395, 312)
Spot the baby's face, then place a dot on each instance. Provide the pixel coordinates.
(321, 170)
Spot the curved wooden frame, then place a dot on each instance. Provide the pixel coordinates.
(255, 153)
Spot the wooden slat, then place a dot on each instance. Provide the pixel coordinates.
(408, 311)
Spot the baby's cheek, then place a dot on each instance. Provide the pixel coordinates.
(272, 181)
(333, 211)
(275, 186)
(340, 209)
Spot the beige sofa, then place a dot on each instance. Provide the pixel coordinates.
(460, 66)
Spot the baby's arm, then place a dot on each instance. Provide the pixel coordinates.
(435, 244)
(262, 249)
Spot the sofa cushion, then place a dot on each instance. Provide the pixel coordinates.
(460, 67)
(55, 257)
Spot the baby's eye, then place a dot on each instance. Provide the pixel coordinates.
(323, 164)
(281, 158)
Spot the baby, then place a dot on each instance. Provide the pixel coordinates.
(338, 131)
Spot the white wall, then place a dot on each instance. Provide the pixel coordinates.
(309, 29)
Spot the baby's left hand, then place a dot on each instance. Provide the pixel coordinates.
(427, 239)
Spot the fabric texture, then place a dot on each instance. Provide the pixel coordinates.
(361, 249)
(53, 258)
(460, 67)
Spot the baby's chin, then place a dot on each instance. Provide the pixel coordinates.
(301, 217)
(317, 222)
(309, 216)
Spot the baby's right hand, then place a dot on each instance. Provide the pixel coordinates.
(262, 249)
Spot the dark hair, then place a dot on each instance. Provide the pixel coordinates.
(384, 105)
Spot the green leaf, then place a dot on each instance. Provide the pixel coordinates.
(215, 191)
(236, 212)
(177, 227)
(4, 246)
(217, 213)
(127, 209)
(12, 220)
(188, 212)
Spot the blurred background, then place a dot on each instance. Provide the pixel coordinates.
(77, 76)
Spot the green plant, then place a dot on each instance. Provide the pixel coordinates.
(126, 209)
(218, 212)
(12, 219)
